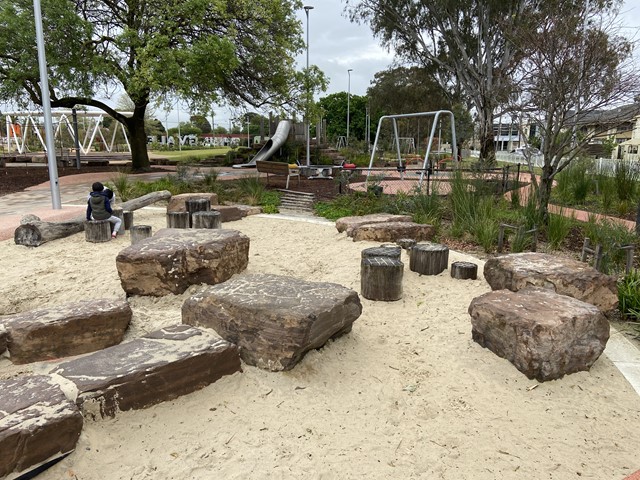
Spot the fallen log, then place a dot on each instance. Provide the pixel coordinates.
(33, 232)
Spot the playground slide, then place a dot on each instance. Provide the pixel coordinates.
(273, 144)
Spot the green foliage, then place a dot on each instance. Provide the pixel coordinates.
(334, 108)
(558, 228)
(353, 204)
(629, 295)
(122, 186)
(626, 176)
(611, 236)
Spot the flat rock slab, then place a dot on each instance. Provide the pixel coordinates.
(544, 334)
(38, 424)
(562, 275)
(173, 259)
(66, 330)
(274, 319)
(347, 224)
(230, 213)
(392, 232)
(161, 366)
(178, 203)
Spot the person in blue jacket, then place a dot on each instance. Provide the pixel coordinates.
(99, 208)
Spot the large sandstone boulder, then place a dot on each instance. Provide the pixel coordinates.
(230, 213)
(3, 339)
(161, 366)
(349, 223)
(562, 275)
(392, 232)
(66, 330)
(38, 424)
(544, 334)
(274, 320)
(173, 259)
(178, 203)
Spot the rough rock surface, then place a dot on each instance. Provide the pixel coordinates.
(3, 339)
(349, 223)
(161, 366)
(37, 424)
(230, 213)
(562, 275)
(274, 319)
(178, 203)
(173, 259)
(392, 232)
(70, 329)
(544, 334)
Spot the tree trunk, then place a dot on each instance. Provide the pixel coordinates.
(544, 195)
(487, 143)
(138, 140)
(36, 232)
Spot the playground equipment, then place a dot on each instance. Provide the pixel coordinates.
(278, 139)
(397, 139)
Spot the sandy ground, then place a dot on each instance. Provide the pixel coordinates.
(407, 394)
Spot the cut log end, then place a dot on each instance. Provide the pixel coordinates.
(464, 270)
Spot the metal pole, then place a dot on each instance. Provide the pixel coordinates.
(76, 142)
(348, 101)
(46, 106)
(308, 126)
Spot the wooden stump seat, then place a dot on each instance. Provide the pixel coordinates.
(97, 231)
(391, 251)
(429, 258)
(464, 270)
(139, 233)
(381, 278)
(178, 219)
(207, 219)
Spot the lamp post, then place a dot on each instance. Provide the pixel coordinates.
(307, 126)
(348, 101)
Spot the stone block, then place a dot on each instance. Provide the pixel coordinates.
(392, 232)
(562, 275)
(3, 339)
(178, 203)
(38, 424)
(173, 259)
(66, 330)
(274, 319)
(158, 367)
(230, 213)
(544, 334)
(347, 224)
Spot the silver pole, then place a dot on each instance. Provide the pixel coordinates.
(348, 101)
(308, 126)
(46, 106)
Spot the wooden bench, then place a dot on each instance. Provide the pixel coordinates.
(278, 168)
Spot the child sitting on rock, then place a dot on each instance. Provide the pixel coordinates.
(99, 207)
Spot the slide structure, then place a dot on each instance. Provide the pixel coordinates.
(278, 139)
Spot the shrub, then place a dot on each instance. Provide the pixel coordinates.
(558, 228)
(629, 295)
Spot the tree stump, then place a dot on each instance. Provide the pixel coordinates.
(178, 219)
(118, 212)
(97, 231)
(197, 205)
(139, 233)
(406, 243)
(128, 219)
(381, 278)
(390, 251)
(429, 258)
(464, 270)
(210, 219)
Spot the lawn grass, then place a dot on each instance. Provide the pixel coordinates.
(188, 154)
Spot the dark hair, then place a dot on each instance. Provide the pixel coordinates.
(108, 192)
(97, 187)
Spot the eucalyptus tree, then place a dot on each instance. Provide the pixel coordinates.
(205, 51)
(467, 41)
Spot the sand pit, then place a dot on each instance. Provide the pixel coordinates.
(407, 394)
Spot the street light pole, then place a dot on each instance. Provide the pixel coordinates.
(307, 126)
(348, 101)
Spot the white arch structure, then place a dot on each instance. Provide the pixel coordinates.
(20, 139)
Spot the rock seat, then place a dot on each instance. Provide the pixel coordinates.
(3, 339)
(348, 224)
(274, 319)
(178, 203)
(38, 424)
(392, 232)
(562, 275)
(66, 330)
(173, 259)
(544, 334)
(160, 366)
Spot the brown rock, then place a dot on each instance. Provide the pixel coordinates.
(544, 334)
(37, 424)
(274, 320)
(161, 366)
(70, 329)
(173, 259)
(3, 339)
(349, 223)
(392, 232)
(562, 275)
(177, 203)
(230, 213)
